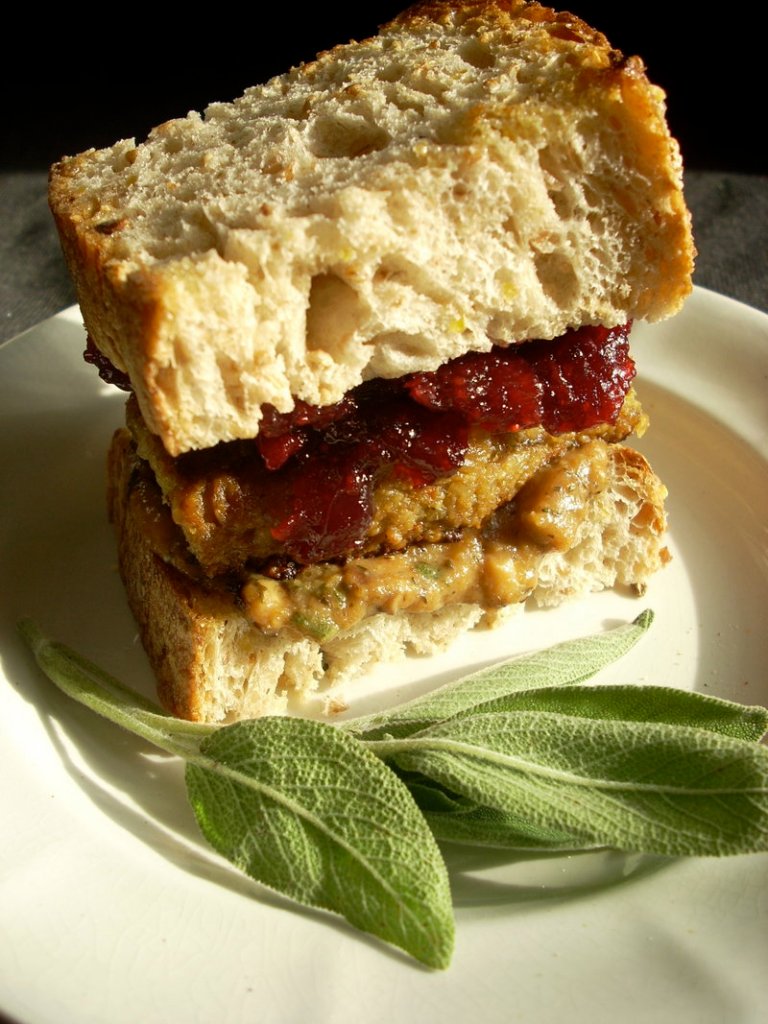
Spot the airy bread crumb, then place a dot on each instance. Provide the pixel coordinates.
(479, 172)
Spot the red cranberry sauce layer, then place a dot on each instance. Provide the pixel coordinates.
(419, 426)
(108, 373)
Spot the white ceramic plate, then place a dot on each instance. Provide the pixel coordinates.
(111, 908)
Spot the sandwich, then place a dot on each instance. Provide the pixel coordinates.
(374, 318)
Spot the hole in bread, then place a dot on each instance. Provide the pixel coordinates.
(399, 90)
(477, 54)
(394, 353)
(557, 277)
(351, 137)
(562, 201)
(511, 226)
(385, 273)
(392, 73)
(429, 84)
(398, 271)
(407, 101)
(558, 170)
(173, 144)
(298, 109)
(335, 312)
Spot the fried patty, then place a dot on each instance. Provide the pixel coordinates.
(224, 499)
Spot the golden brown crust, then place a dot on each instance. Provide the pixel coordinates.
(119, 308)
(172, 615)
(559, 24)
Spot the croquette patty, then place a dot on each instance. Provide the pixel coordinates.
(224, 499)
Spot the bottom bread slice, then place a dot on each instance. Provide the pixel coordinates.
(214, 664)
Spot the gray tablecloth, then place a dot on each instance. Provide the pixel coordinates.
(730, 213)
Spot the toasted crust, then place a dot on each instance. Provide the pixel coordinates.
(478, 171)
(213, 664)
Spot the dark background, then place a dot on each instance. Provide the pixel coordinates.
(85, 85)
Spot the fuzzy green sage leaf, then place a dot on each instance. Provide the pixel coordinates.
(645, 786)
(460, 820)
(518, 755)
(308, 811)
(636, 703)
(565, 663)
(298, 805)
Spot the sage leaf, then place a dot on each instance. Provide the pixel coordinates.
(637, 703)
(647, 787)
(487, 826)
(332, 808)
(90, 685)
(459, 820)
(565, 663)
(518, 755)
(308, 811)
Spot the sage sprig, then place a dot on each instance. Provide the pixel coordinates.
(297, 805)
(312, 813)
(646, 786)
(521, 755)
(571, 662)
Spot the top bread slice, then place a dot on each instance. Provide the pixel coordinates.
(482, 171)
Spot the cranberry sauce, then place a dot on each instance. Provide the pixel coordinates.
(331, 471)
(419, 426)
(572, 383)
(108, 373)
